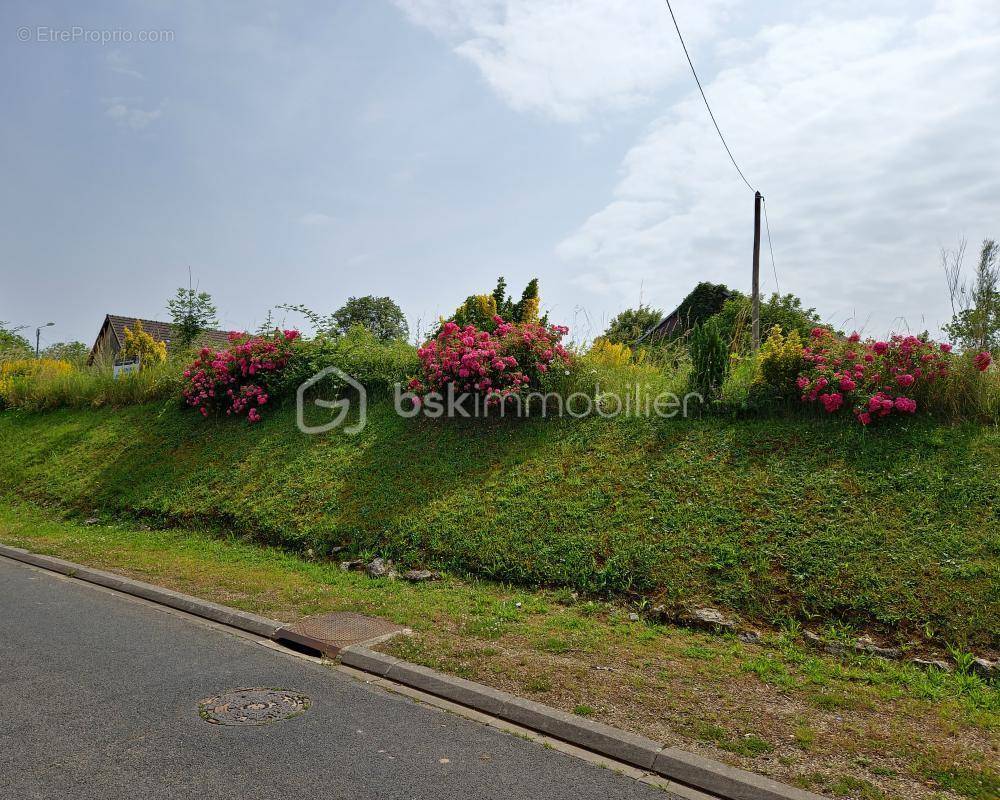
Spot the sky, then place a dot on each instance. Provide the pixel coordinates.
(302, 153)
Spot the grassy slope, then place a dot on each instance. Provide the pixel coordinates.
(855, 726)
(774, 518)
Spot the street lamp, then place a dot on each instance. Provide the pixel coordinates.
(38, 335)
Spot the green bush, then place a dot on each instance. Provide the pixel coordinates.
(375, 363)
(709, 360)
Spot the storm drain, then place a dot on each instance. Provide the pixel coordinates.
(330, 633)
(252, 706)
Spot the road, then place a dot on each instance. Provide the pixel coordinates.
(99, 699)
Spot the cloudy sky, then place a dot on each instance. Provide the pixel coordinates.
(292, 152)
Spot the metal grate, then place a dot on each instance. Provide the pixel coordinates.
(330, 633)
(252, 706)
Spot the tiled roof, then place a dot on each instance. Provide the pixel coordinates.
(163, 331)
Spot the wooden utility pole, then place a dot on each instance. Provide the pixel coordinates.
(756, 270)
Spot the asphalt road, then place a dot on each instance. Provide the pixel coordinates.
(99, 699)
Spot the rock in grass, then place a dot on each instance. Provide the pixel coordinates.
(944, 666)
(866, 646)
(351, 566)
(380, 568)
(91, 520)
(708, 618)
(985, 668)
(421, 575)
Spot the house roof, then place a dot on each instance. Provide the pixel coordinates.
(161, 331)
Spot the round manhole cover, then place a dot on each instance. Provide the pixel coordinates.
(252, 706)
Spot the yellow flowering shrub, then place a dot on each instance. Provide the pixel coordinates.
(23, 368)
(143, 347)
(609, 354)
(780, 359)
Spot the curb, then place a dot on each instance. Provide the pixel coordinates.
(677, 765)
(184, 602)
(695, 771)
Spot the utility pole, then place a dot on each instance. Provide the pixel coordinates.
(756, 271)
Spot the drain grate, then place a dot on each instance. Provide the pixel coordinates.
(330, 633)
(252, 706)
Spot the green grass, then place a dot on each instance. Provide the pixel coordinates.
(778, 519)
(751, 705)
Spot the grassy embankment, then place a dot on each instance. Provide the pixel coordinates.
(847, 727)
(779, 520)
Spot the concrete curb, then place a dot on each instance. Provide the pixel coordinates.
(677, 765)
(192, 605)
(670, 762)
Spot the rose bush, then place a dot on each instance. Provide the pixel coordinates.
(237, 380)
(872, 378)
(511, 360)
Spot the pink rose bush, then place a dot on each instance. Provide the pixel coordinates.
(511, 360)
(235, 380)
(872, 378)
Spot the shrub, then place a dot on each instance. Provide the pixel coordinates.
(236, 380)
(873, 378)
(143, 347)
(482, 310)
(511, 360)
(377, 364)
(780, 360)
(709, 360)
(19, 375)
(632, 323)
(609, 354)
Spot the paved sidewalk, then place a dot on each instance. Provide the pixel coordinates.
(99, 694)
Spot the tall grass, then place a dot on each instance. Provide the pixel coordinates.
(90, 387)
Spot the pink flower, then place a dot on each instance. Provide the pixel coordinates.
(864, 418)
(945, 348)
(983, 361)
(880, 347)
(847, 385)
(854, 337)
(905, 379)
(832, 401)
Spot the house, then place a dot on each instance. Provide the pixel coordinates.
(111, 337)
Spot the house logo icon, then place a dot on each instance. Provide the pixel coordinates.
(343, 405)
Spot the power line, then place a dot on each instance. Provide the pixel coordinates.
(770, 247)
(703, 97)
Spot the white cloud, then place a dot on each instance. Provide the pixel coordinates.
(315, 219)
(874, 139)
(569, 58)
(123, 111)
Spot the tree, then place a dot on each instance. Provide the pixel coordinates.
(191, 312)
(975, 324)
(12, 344)
(142, 347)
(379, 315)
(75, 353)
(786, 311)
(479, 309)
(632, 323)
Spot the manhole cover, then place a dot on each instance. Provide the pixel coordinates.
(329, 633)
(252, 706)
